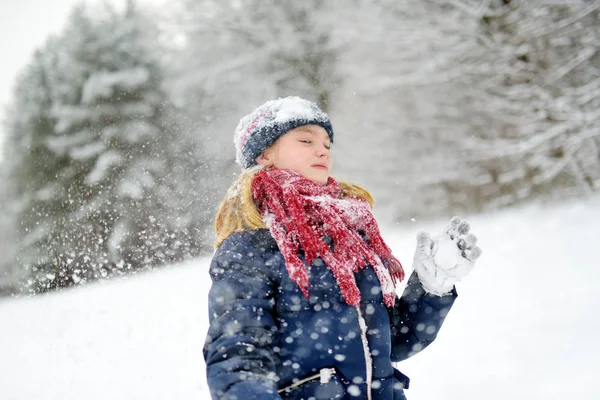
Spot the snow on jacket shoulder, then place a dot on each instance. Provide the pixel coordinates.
(266, 340)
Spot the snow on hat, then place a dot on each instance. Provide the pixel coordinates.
(263, 126)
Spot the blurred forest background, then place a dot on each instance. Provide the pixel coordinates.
(118, 140)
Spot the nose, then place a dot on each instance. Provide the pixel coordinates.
(322, 151)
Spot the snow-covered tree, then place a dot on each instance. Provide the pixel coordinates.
(431, 101)
(30, 167)
(102, 176)
(501, 102)
(284, 44)
(296, 42)
(532, 108)
(395, 91)
(9, 272)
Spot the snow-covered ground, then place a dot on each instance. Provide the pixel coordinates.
(524, 326)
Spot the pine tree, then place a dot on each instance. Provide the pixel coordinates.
(33, 198)
(96, 157)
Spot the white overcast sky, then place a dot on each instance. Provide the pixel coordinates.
(24, 26)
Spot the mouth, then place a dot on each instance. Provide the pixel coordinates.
(320, 166)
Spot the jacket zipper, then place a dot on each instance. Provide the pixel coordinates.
(324, 375)
(368, 361)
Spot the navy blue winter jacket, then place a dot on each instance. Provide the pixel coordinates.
(266, 340)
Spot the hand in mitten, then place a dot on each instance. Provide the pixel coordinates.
(446, 259)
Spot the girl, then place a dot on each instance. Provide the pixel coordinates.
(303, 302)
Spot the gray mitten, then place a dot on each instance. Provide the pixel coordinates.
(446, 259)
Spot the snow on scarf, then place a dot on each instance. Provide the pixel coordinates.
(300, 213)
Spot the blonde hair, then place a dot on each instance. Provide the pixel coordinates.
(238, 212)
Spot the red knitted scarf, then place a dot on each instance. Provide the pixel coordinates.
(300, 213)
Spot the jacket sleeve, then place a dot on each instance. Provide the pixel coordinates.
(416, 318)
(239, 347)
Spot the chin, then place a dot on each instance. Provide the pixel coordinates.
(321, 180)
(320, 177)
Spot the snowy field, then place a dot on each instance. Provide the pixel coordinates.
(524, 326)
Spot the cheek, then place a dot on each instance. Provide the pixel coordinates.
(288, 160)
(295, 158)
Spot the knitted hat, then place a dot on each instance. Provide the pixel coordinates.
(258, 130)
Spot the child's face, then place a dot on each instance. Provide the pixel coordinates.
(305, 150)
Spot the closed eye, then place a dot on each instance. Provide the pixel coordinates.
(308, 141)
